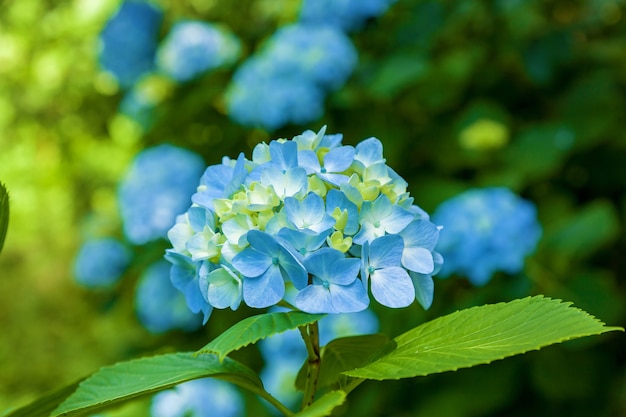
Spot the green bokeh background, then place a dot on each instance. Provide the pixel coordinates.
(526, 94)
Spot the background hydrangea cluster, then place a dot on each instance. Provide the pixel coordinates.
(331, 220)
(487, 230)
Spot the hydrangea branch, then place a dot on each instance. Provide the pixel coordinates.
(310, 334)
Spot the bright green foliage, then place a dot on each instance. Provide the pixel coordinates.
(128, 380)
(324, 406)
(4, 214)
(255, 328)
(480, 335)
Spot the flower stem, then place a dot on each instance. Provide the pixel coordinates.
(310, 334)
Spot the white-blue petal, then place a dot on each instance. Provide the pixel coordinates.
(392, 287)
(339, 159)
(418, 259)
(397, 220)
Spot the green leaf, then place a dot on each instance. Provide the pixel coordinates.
(4, 214)
(324, 406)
(480, 335)
(43, 406)
(128, 380)
(254, 328)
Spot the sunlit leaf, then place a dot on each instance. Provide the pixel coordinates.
(323, 406)
(258, 327)
(480, 335)
(128, 380)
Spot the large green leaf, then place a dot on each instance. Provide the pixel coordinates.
(480, 335)
(254, 328)
(127, 380)
(323, 406)
(4, 214)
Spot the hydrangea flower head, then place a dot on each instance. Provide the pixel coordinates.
(194, 47)
(347, 15)
(309, 215)
(287, 79)
(156, 189)
(486, 230)
(101, 262)
(129, 41)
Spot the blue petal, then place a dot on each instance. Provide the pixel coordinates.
(424, 289)
(309, 161)
(336, 198)
(315, 299)
(251, 263)
(224, 288)
(303, 241)
(284, 155)
(420, 233)
(265, 290)
(339, 159)
(349, 298)
(263, 242)
(319, 263)
(293, 268)
(344, 271)
(418, 260)
(386, 251)
(397, 220)
(369, 151)
(392, 287)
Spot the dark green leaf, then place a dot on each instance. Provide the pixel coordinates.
(480, 335)
(258, 327)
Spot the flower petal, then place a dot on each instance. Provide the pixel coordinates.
(392, 287)
(264, 290)
(251, 263)
(418, 259)
(315, 299)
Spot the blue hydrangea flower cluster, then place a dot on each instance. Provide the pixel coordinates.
(288, 79)
(159, 306)
(205, 397)
(128, 41)
(347, 15)
(332, 221)
(285, 353)
(192, 48)
(101, 262)
(155, 190)
(486, 230)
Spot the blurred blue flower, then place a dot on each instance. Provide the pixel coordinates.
(159, 306)
(194, 47)
(157, 188)
(205, 397)
(347, 15)
(287, 79)
(101, 262)
(129, 41)
(484, 231)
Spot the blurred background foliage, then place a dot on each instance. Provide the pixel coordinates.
(530, 95)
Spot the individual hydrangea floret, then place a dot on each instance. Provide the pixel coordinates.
(262, 228)
(101, 262)
(159, 306)
(156, 189)
(486, 230)
(346, 15)
(287, 79)
(129, 41)
(192, 48)
(205, 397)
